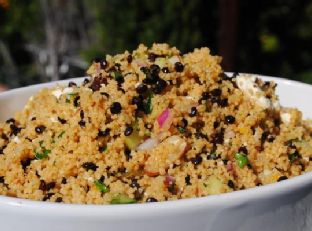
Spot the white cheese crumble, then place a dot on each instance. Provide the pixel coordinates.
(53, 119)
(58, 92)
(16, 140)
(286, 117)
(247, 83)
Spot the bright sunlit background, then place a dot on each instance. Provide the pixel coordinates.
(44, 40)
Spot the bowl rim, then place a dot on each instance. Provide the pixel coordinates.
(151, 209)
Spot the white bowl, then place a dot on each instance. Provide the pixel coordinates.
(286, 205)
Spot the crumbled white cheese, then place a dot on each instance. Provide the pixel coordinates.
(67, 90)
(58, 92)
(53, 119)
(16, 140)
(247, 83)
(286, 117)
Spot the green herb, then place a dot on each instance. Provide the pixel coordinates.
(101, 186)
(72, 94)
(241, 159)
(61, 134)
(103, 148)
(205, 185)
(44, 154)
(293, 157)
(69, 96)
(117, 75)
(148, 104)
(122, 199)
(181, 130)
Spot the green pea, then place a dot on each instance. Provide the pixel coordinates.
(241, 159)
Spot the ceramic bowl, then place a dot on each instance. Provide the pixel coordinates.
(286, 205)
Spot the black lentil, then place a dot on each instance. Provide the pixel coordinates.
(178, 66)
(216, 124)
(64, 181)
(152, 57)
(34, 118)
(4, 136)
(151, 199)
(72, 84)
(62, 121)
(216, 92)
(86, 81)
(42, 185)
(82, 123)
(59, 200)
(137, 100)
(127, 153)
(141, 88)
(26, 162)
(2, 179)
(129, 59)
(40, 129)
(115, 108)
(229, 119)
(104, 133)
(193, 112)
(165, 70)
(50, 185)
(160, 86)
(223, 102)
(76, 101)
(128, 131)
(15, 130)
(154, 69)
(243, 149)
(188, 180)
(105, 94)
(197, 160)
(103, 64)
(134, 183)
(81, 114)
(205, 95)
(281, 178)
(89, 166)
(47, 196)
(1, 149)
(231, 184)
(11, 120)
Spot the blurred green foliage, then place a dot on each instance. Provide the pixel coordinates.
(274, 37)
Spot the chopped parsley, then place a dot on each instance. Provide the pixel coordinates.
(101, 186)
(43, 152)
(148, 104)
(61, 134)
(122, 199)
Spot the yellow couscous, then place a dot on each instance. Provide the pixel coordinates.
(152, 125)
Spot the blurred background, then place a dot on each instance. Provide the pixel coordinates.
(44, 40)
